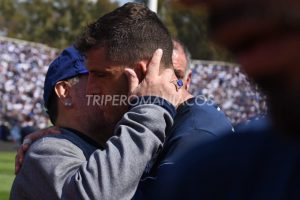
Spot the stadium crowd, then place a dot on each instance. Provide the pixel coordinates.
(230, 88)
(22, 70)
(23, 66)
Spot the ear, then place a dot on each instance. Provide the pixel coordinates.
(140, 69)
(63, 91)
(188, 81)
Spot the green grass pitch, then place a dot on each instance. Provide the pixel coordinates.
(7, 166)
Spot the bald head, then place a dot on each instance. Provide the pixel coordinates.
(181, 63)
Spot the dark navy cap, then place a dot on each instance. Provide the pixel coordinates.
(68, 64)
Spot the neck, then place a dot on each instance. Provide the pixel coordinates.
(186, 96)
(69, 119)
(99, 138)
(67, 124)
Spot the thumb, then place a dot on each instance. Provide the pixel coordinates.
(133, 80)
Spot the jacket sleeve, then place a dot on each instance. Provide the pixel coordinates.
(57, 169)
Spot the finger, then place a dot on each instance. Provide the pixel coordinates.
(19, 159)
(55, 128)
(37, 135)
(50, 131)
(133, 80)
(21, 153)
(16, 164)
(25, 147)
(16, 169)
(153, 66)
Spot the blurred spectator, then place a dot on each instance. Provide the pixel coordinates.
(229, 88)
(4, 132)
(15, 131)
(27, 127)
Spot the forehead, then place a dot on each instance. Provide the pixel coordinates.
(95, 57)
(96, 60)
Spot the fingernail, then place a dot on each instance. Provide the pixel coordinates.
(160, 51)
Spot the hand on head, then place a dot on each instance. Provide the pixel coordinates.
(155, 83)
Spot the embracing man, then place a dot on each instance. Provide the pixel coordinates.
(79, 163)
(114, 46)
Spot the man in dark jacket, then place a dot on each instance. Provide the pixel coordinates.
(197, 119)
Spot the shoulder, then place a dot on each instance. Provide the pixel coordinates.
(201, 107)
(49, 161)
(201, 116)
(62, 144)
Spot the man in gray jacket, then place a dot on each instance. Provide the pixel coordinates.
(71, 165)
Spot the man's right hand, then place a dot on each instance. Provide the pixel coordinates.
(155, 83)
(28, 140)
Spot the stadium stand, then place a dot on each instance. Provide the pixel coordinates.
(230, 88)
(22, 70)
(23, 66)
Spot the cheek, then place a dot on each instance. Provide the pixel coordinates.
(117, 110)
(125, 87)
(120, 85)
(93, 86)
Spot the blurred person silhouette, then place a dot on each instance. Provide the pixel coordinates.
(15, 131)
(4, 131)
(262, 162)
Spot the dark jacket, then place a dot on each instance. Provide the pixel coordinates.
(196, 120)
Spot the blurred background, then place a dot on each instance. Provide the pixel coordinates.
(33, 32)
